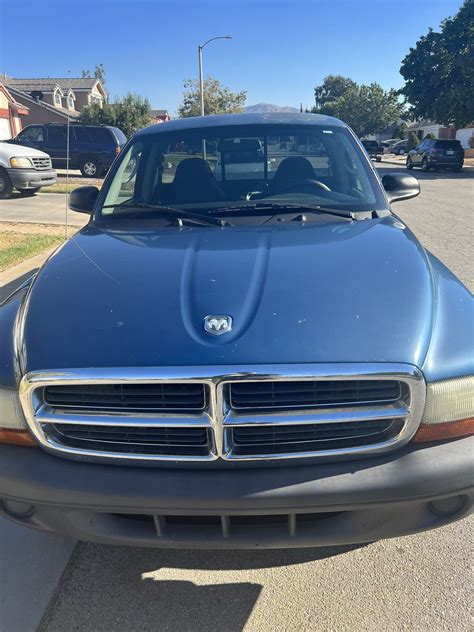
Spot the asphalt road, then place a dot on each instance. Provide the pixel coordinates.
(421, 582)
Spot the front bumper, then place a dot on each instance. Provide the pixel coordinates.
(32, 179)
(309, 505)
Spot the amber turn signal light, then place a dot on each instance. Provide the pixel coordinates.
(447, 430)
(17, 437)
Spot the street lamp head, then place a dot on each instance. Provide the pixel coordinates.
(227, 37)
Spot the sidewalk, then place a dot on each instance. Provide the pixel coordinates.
(32, 563)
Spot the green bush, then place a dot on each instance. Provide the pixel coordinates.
(430, 136)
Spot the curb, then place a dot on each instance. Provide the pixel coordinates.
(12, 277)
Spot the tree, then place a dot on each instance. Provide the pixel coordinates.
(218, 99)
(412, 141)
(129, 114)
(400, 131)
(332, 88)
(99, 73)
(439, 71)
(368, 109)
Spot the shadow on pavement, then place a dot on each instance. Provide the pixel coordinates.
(112, 587)
(209, 560)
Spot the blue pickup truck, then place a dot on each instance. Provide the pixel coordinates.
(269, 359)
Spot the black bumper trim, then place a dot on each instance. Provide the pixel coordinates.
(278, 507)
(415, 472)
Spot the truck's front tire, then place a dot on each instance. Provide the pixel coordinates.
(6, 186)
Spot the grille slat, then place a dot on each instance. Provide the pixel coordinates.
(128, 397)
(41, 163)
(158, 441)
(278, 439)
(276, 394)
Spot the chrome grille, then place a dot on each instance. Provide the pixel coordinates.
(224, 413)
(41, 164)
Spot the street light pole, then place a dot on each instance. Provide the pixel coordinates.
(201, 77)
(201, 80)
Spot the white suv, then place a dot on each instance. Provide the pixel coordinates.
(24, 169)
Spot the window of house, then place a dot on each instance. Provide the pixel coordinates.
(70, 102)
(96, 99)
(57, 98)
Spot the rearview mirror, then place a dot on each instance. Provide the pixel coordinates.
(83, 199)
(400, 186)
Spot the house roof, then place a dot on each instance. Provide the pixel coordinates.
(159, 113)
(19, 94)
(12, 104)
(48, 84)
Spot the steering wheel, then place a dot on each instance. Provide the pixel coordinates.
(298, 185)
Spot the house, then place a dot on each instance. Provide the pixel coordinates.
(159, 116)
(10, 114)
(55, 99)
(424, 127)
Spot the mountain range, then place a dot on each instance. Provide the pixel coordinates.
(267, 108)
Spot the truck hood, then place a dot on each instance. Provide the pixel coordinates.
(303, 293)
(9, 150)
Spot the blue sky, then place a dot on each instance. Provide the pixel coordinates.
(280, 51)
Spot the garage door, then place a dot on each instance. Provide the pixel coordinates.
(464, 135)
(5, 129)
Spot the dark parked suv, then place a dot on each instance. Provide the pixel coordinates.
(432, 154)
(92, 148)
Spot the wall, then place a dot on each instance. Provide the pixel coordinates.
(464, 135)
(40, 114)
(5, 127)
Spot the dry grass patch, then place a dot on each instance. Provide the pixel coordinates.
(16, 247)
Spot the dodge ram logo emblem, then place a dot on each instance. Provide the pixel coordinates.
(218, 325)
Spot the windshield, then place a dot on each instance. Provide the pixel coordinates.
(209, 170)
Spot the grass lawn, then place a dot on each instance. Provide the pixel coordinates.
(60, 187)
(16, 247)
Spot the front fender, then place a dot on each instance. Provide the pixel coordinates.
(8, 316)
(451, 350)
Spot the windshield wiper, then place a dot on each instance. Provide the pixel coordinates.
(168, 212)
(284, 207)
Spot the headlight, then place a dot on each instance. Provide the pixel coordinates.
(13, 427)
(449, 410)
(21, 163)
(11, 413)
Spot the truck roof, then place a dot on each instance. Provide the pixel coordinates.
(224, 120)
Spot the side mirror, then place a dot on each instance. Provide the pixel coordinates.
(400, 186)
(83, 199)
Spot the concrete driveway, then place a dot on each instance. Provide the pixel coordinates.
(421, 582)
(44, 208)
